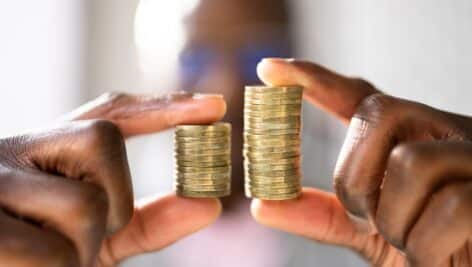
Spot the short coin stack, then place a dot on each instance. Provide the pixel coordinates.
(272, 124)
(203, 160)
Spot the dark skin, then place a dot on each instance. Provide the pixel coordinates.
(66, 197)
(402, 181)
(76, 205)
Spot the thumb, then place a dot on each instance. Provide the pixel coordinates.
(315, 214)
(158, 223)
(334, 93)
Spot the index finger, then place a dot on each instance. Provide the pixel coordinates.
(334, 93)
(144, 114)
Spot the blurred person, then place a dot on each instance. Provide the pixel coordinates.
(224, 41)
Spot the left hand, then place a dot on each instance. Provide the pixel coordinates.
(163, 220)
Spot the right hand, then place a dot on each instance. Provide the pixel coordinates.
(65, 192)
(403, 179)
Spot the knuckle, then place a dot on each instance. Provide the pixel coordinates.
(376, 107)
(104, 129)
(362, 84)
(104, 134)
(410, 158)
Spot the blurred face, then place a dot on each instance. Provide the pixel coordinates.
(224, 42)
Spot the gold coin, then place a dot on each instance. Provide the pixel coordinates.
(201, 170)
(273, 107)
(272, 120)
(271, 155)
(202, 176)
(257, 138)
(272, 102)
(266, 186)
(201, 135)
(181, 139)
(202, 152)
(285, 95)
(253, 145)
(268, 189)
(221, 126)
(275, 132)
(271, 114)
(268, 89)
(273, 196)
(273, 189)
(274, 173)
(224, 182)
(197, 194)
(201, 145)
(200, 191)
(202, 157)
(200, 187)
(268, 167)
(273, 126)
(284, 178)
(251, 149)
(203, 164)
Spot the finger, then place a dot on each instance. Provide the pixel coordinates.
(143, 114)
(94, 152)
(336, 94)
(414, 172)
(157, 224)
(380, 123)
(315, 214)
(24, 245)
(75, 209)
(443, 228)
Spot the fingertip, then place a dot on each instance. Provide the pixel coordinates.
(204, 211)
(274, 71)
(257, 210)
(215, 101)
(200, 109)
(261, 211)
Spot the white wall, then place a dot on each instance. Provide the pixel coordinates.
(40, 61)
(414, 49)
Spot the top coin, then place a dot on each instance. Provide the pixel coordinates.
(270, 89)
(217, 129)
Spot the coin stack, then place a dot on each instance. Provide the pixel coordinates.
(203, 160)
(272, 124)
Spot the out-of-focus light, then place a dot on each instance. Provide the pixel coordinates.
(159, 34)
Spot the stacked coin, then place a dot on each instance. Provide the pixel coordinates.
(272, 124)
(203, 160)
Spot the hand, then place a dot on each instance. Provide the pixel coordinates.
(66, 196)
(403, 177)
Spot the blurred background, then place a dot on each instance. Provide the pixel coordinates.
(56, 54)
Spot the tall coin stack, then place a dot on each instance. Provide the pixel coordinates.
(203, 160)
(272, 155)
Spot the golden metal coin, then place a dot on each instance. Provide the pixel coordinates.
(269, 89)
